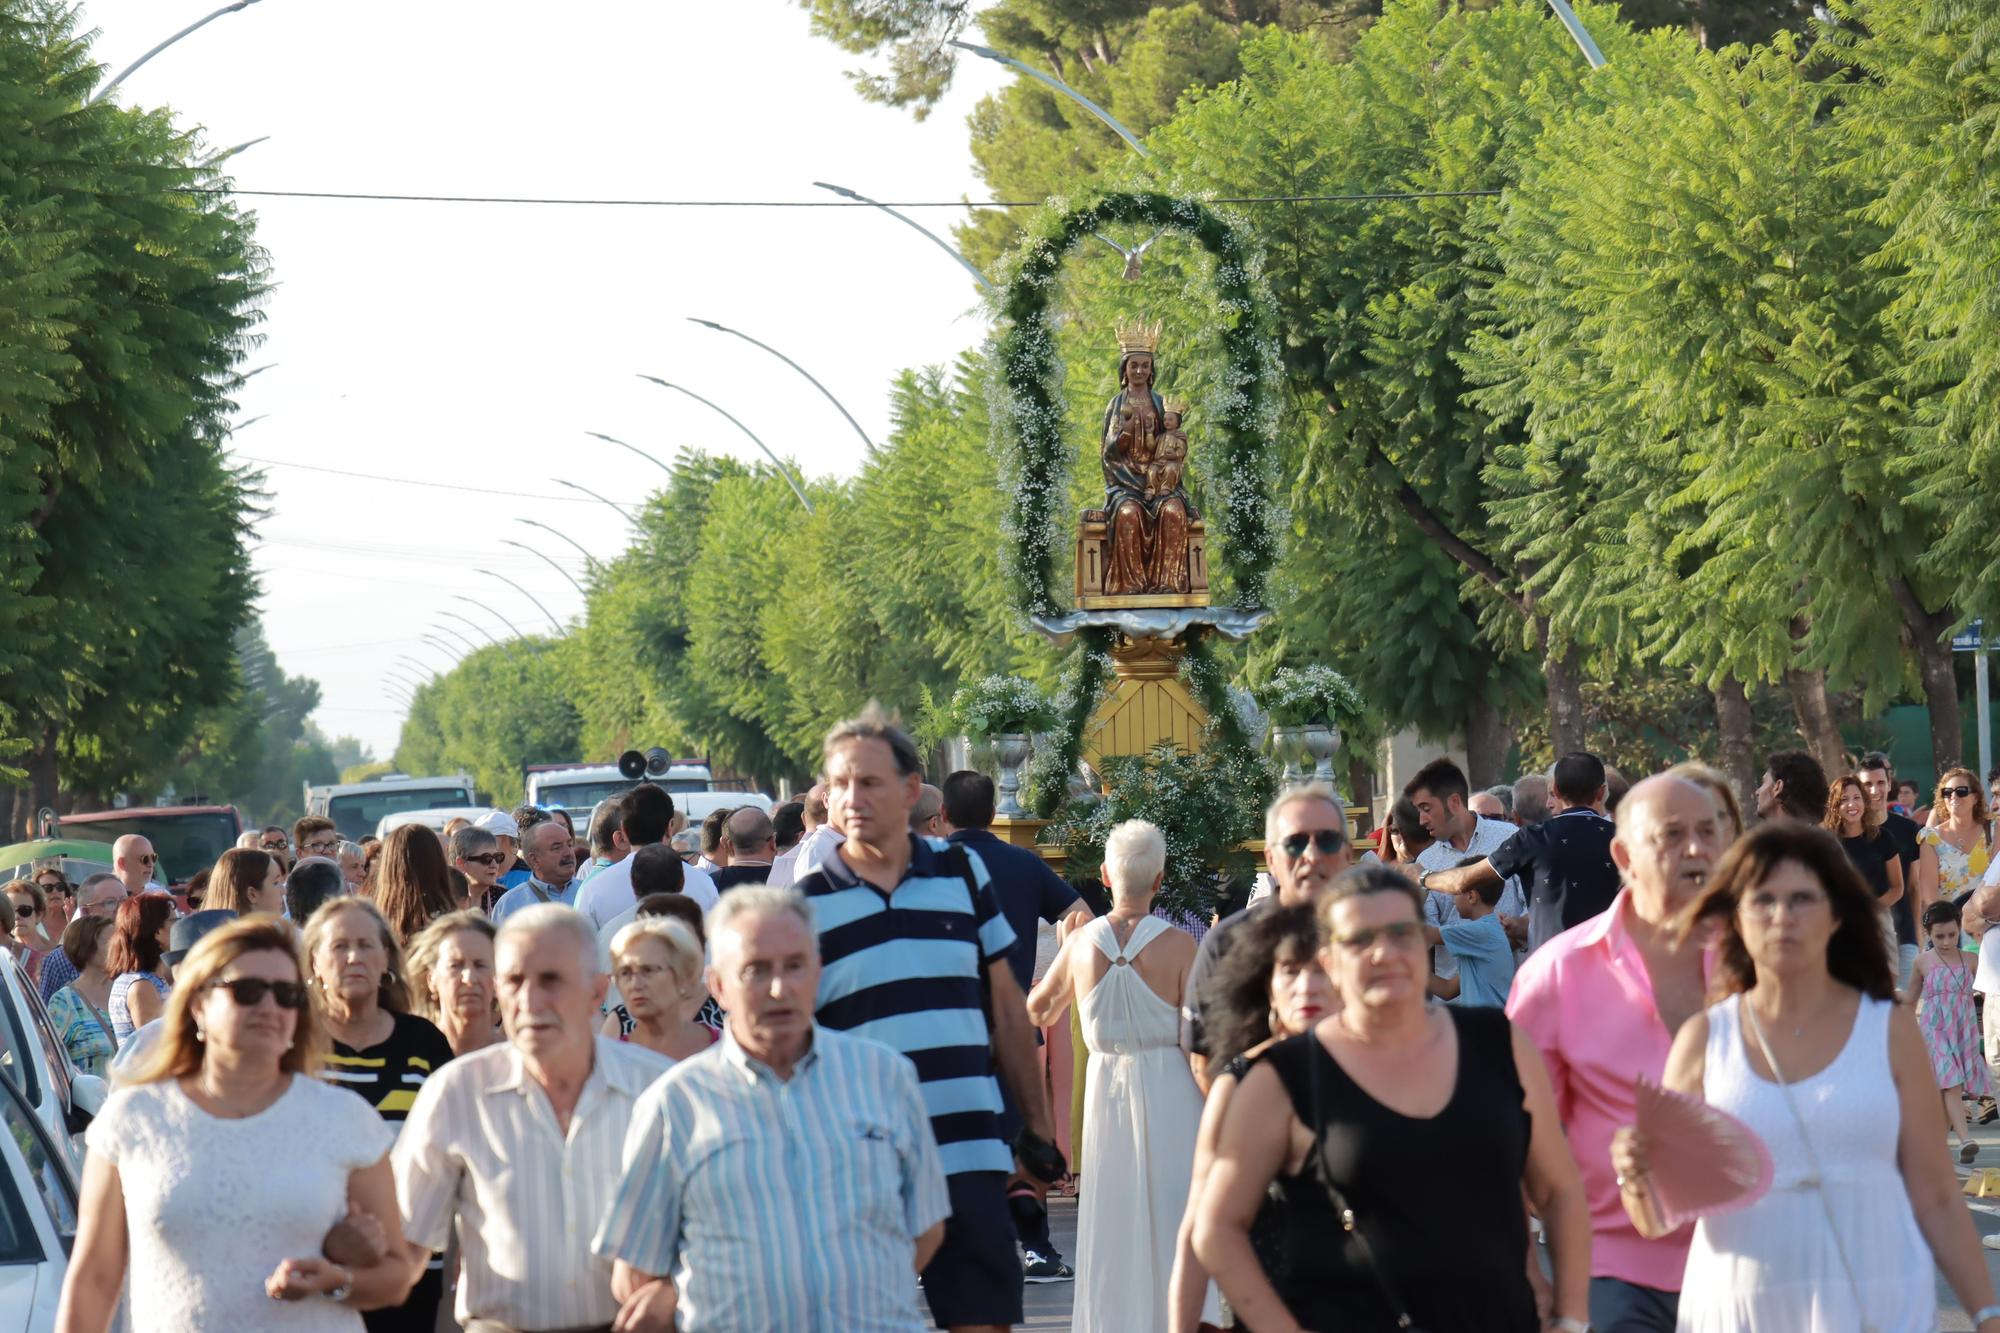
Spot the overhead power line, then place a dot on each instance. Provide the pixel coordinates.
(1379, 196)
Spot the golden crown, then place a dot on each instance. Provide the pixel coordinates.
(1139, 338)
(1178, 406)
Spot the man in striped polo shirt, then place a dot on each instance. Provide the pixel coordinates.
(914, 951)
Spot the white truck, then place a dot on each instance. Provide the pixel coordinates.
(357, 807)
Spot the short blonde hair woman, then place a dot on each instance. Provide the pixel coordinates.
(452, 982)
(225, 1135)
(657, 965)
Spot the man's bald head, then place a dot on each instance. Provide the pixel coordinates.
(1669, 837)
(750, 836)
(924, 818)
(132, 857)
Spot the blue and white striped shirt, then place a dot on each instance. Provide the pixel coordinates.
(774, 1203)
(907, 969)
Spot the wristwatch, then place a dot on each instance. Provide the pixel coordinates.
(340, 1293)
(1568, 1325)
(1984, 1313)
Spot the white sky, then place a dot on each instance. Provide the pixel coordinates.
(476, 344)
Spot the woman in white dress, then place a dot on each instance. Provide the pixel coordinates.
(1811, 1051)
(216, 1175)
(1128, 972)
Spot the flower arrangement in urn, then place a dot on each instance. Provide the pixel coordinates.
(1310, 708)
(1311, 696)
(1000, 706)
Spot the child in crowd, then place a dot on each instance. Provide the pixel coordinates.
(1479, 942)
(1943, 983)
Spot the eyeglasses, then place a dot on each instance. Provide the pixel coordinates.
(274, 846)
(25, 909)
(326, 848)
(194, 902)
(1327, 840)
(1397, 935)
(632, 972)
(1955, 791)
(487, 858)
(1766, 905)
(104, 906)
(149, 859)
(249, 992)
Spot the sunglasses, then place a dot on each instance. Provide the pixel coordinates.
(275, 846)
(194, 902)
(25, 909)
(1398, 935)
(1955, 791)
(487, 858)
(249, 992)
(149, 859)
(1327, 840)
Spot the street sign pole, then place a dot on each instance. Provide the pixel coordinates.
(1979, 692)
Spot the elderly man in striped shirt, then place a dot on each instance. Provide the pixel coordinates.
(785, 1178)
(914, 947)
(522, 1144)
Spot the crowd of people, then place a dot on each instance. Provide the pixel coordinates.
(820, 1067)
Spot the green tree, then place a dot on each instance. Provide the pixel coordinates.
(499, 710)
(129, 301)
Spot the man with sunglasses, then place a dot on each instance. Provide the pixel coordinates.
(134, 860)
(1306, 847)
(478, 854)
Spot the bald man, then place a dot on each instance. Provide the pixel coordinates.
(1603, 1001)
(133, 860)
(927, 820)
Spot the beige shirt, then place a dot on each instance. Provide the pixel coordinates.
(482, 1146)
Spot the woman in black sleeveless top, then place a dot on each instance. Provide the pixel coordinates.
(1427, 1122)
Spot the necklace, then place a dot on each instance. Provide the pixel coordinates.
(1798, 1030)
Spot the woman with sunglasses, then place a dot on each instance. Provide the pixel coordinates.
(1809, 1048)
(380, 1049)
(1384, 1108)
(212, 1179)
(1269, 986)
(138, 983)
(1954, 853)
(31, 909)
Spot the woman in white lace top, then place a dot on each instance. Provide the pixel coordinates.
(216, 1176)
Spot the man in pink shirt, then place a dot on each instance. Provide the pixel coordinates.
(1603, 1002)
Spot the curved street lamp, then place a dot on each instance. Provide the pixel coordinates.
(1063, 88)
(438, 645)
(195, 26)
(464, 620)
(590, 561)
(509, 541)
(917, 226)
(473, 601)
(783, 471)
(608, 439)
(525, 593)
(838, 407)
(623, 512)
(470, 646)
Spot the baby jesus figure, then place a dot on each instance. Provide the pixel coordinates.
(1163, 473)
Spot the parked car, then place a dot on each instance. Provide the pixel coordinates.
(34, 1063)
(430, 819)
(187, 837)
(357, 807)
(39, 1204)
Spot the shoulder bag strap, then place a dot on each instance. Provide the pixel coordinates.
(1348, 1222)
(102, 1021)
(964, 866)
(1805, 1141)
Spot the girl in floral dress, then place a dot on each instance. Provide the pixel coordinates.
(1944, 1013)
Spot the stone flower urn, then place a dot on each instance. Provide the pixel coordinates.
(1287, 746)
(1010, 750)
(1322, 743)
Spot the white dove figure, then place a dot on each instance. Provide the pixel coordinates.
(1134, 255)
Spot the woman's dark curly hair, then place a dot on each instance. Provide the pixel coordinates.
(1236, 993)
